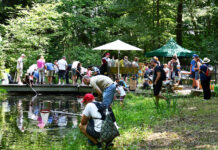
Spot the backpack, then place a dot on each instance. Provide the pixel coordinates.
(108, 130)
(163, 73)
(208, 72)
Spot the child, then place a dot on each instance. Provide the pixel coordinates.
(89, 71)
(178, 75)
(120, 90)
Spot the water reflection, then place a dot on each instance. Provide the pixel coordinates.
(26, 120)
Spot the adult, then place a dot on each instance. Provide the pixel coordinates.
(50, 72)
(135, 62)
(205, 77)
(55, 71)
(62, 66)
(74, 74)
(156, 58)
(91, 120)
(197, 68)
(95, 70)
(79, 72)
(20, 69)
(157, 81)
(104, 86)
(104, 64)
(69, 67)
(41, 69)
(192, 70)
(126, 65)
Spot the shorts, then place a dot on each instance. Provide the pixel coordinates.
(91, 130)
(122, 97)
(74, 72)
(157, 88)
(177, 78)
(61, 74)
(50, 73)
(192, 75)
(196, 75)
(19, 72)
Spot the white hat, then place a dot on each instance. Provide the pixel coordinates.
(206, 60)
(23, 55)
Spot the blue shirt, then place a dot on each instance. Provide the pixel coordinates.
(36, 74)
(193, 63)
(203, 69)
(177, 72)
(95, 69)
(49, 66)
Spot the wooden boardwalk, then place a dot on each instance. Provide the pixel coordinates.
(15, 88)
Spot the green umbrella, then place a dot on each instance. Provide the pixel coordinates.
(169, 49)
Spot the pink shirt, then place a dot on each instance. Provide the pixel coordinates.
(89, 73)
(40, 63)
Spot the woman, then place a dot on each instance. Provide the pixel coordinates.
(41, 69)
(197, 68)
(78, 72)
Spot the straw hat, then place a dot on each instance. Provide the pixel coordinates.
(206, 60)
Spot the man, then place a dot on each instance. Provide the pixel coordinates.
(62, 66)
(20, 69)
(104, 86)
(104, 65)
(192, 71)
(205, 77)
(91, 120)
(69, 68)
(157, 81)
(50, 72)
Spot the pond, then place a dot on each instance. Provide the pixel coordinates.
(37, 122)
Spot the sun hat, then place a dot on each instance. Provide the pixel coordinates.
(205, 60)
(88, 98)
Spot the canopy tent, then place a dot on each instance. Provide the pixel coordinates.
(169, 49)
(118, 45)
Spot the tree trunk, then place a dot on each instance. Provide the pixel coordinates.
(158, 21)
(179, 23)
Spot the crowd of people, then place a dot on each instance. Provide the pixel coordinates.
(94, 116)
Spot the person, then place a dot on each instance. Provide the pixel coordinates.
(178, 75)
(126, 65)
(74, 73)
(36, 76)
(78, 72)
(92, 118)
(89, 71)
(156, 58)
(50, 72)
(192, 71)
(205, 77)
(167, 71)
(20, 69)
(95, 70)
(55, 71)
(157, 82)
(197, 67)
(62, 66)
(30, 73)
(104, 64)
(41, 69)
(69, 67)
(104, 86)
(120, 90)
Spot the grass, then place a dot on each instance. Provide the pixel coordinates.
(189, 123)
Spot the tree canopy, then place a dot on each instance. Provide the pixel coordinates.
(73, 28)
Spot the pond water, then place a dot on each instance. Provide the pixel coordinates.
(35, 122)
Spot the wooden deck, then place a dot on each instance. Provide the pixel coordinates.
(15, 88)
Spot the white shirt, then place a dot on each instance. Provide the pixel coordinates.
(75, 64)
(135, 64)
(167, 72)
(62, 64)
(32, 68)
(20, 63)
(92, 111)
(121, 90)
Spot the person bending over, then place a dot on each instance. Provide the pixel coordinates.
(104, 86)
